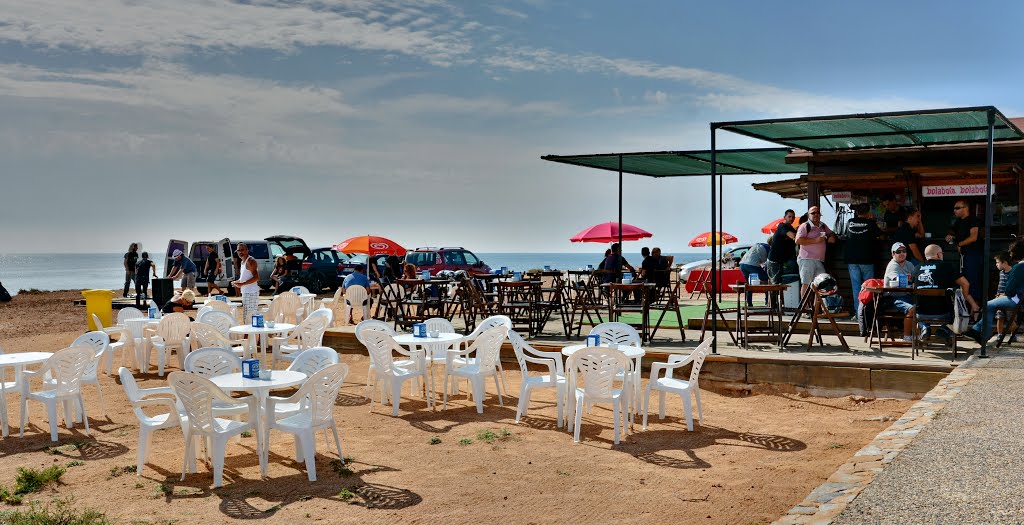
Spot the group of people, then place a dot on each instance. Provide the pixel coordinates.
(654, 268)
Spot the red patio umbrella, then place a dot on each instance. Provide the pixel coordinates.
(370, 245)
(770, 227)
(706, 239)
(609, 232)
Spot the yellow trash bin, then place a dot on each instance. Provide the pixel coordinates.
(99, 302)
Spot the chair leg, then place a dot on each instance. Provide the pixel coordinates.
(700, 411)
(524, 398)
(189, 453)
(578, 418)
(616, 415)
(220, 445)
(501, 391)
(478, 393)
(85, 416)
(145, 441)
(337, 441)
(51, 410)
(99, 395)
(688, 412)
(309, 451)
(444, 403)
(647, 402)
(396, 396)
(559, 404)
(661, 404)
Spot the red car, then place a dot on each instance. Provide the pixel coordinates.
(450, 258)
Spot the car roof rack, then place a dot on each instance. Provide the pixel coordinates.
(453, 248)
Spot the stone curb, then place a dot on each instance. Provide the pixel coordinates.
(829, 499)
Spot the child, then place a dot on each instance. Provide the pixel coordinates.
(1003, 263)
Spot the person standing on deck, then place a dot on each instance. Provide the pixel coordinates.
(130, 260)
(861, 249)
(212, 269)
(248, 283)
(811, 238)
(142, 270)
(783, 248)
(965, 233)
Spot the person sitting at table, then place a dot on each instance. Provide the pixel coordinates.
(607, 253)
(891, 279)
(279, 273)
(936, 273)
(614, 263)
(409, 271)
(655, 268)
(1009, 300)
(752, 264)
(180, 301)
(357, 277)
(908, 233)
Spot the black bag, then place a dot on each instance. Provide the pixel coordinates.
(5, 297)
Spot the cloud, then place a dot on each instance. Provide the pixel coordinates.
(431, 103)
(656, 97)
(157, 28)
(501, 10)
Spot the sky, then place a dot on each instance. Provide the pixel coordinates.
(424, 120)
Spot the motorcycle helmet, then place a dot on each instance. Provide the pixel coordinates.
(826, 284)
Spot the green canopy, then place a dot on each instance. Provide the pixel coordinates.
(688, 163)
(880, 130)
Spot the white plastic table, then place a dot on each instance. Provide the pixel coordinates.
(632, 352)
(261, 389)
(446, 338)
(251, 332)
(136, 326)
(18, 362)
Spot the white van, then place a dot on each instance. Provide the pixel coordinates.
(265, 251)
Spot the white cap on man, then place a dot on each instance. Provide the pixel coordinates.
(176, 253)
(897, 246)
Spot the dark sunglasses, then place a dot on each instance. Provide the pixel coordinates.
(814, 213)
(900, 251)
(959, 207)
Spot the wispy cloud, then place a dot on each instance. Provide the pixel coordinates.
(157, 28)
(502, 10)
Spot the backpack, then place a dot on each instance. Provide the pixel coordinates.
(865, 295)
(961, 312)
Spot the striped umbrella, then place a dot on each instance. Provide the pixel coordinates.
(707, 239)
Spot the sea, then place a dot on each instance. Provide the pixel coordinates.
(56, 271)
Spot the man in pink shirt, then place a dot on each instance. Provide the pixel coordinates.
(811, 237)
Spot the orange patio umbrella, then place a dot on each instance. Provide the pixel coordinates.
(370, 245)
(707, 239)
(770, 227)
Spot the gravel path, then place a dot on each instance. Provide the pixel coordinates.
(966, 466)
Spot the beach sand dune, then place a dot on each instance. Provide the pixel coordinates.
(752, 460)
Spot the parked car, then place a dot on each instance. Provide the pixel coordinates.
(734, 253)
(264, 251)
(449, 258)
(324, 267)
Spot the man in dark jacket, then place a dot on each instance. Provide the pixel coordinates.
(861, 248)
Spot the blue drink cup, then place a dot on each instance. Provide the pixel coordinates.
(902, 280)
(257, 321)
(419, 330)
(152, 312)
(251, 368)
(594, 340)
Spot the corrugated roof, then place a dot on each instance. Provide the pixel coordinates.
(751, 161)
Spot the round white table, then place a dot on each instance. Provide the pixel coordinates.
(18, 362)
(137, 327)
(251, 332)
(260, 388)
(434, 349)
(631, 352)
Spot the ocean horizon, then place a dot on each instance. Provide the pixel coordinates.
(82, 271)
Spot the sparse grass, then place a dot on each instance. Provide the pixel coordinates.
(64, 449)
(59, 513)
(246, 434)
(491, 436)
(163, 489)
(563, 473)
(346, 495)
(75, 463)
(118, 471)
(139, 485)
(31, 480)
(340, 468)
(465, 441)
(837, 445)
(435, 440)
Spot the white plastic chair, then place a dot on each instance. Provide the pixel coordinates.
(99, 343)
(313, 360)
(617, 334)
(378, 326)
(204, 309)
(171, 334)
(66, 367)
(308, 334)
(125, 343)
(147, 423)
(598, 366)
(554, 378)
(481, 327)
(684, 388)
(316, 397)
(212, 362)
(390, 374)
(206, 335)
(356, 297)
(199, 396)
(7, 388)
(485, 350)
(285, 308)
(222, 321)
(128, 312)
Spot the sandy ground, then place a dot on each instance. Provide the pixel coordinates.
(751, 460)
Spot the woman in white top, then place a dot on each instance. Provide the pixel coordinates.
(248, 283)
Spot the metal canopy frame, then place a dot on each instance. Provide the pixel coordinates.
(701, 163)
(992, 114)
